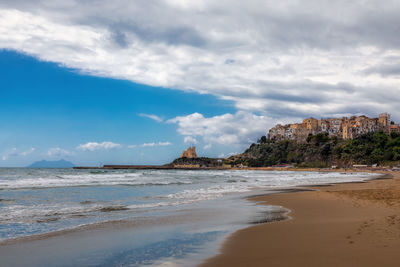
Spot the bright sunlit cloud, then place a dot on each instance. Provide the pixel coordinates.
(93, 146)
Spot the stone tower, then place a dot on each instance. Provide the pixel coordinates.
(189, 153)
(384, 119)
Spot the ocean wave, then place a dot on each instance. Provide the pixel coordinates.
(113, 208)
(38, 183)
(47, 213)
(208, 193)
(43, 179)
(129, 194)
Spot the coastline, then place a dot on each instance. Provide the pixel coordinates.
(345, 224)
(105, 235)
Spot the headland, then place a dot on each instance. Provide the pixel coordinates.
(354, 142)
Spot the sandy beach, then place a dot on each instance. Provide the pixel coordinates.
(352, 224)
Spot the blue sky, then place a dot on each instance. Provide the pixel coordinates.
(124, 81)
(45, 106)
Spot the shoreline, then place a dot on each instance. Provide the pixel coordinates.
(234, 168)
(126, 223)
(101, 230)
(343, 224)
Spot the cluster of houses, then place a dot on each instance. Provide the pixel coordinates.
(346, 128)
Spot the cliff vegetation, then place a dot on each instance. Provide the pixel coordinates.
(322, 151)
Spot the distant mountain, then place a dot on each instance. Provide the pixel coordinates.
(51, 164)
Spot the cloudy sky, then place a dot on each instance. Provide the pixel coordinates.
(97, 81)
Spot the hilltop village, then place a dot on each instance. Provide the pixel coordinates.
(345, 128)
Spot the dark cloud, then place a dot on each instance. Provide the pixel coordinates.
(181, 35)
(229, 61)
(297, 24)
(300, 91)
(120, 39)
(278, 58)
(385, 70)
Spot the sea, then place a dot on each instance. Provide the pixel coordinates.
(68, 217)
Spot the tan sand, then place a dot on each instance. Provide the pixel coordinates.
(356, 224)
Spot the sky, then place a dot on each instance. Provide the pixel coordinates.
(136, 82)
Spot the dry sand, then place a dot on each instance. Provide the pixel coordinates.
(355, 224)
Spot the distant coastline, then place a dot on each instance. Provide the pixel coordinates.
(52, 164)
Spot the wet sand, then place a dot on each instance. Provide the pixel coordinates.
(355, 224)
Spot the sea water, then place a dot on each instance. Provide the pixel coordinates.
(135, 217)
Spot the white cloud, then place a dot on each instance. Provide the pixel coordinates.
(14, 153)
(190, 140)
(164, 143)
(148, 144)
(286, 59)
(240, 128)
(27, 152)
(208, 146)
(156, 144)
(93, 146)
(151, 144)
(151, 116)
(58, 152)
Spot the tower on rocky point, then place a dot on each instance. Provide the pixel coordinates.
(189, 153)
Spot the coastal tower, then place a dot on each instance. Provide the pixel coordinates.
(189, 153)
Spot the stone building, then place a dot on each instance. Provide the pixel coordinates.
(384, 119)
(310, 124)
(394, 128)
(346, 128)
(189, 153)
